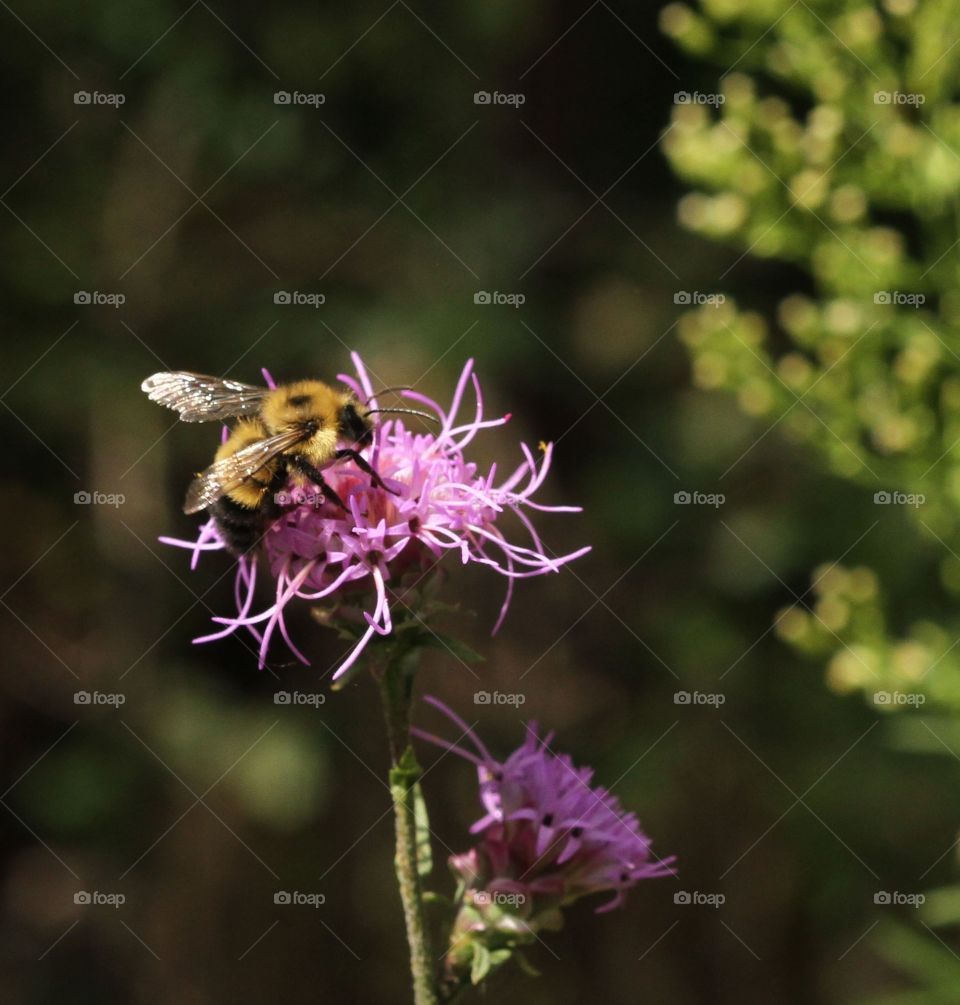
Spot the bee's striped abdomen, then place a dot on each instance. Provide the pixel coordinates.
(240, 527)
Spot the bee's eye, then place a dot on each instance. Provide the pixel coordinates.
(298, 400)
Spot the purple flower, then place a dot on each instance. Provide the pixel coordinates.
(439, 502)
(547, 837)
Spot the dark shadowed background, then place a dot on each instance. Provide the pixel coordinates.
(397, 199)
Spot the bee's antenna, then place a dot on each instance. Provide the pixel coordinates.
(389, 390)
(405, 411)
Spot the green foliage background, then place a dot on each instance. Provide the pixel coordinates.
(800, 199)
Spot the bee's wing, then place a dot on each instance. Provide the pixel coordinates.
(226, 474)
(199, 398)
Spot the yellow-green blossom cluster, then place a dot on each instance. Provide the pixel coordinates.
(832, 144)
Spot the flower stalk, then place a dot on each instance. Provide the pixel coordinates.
(396, 690)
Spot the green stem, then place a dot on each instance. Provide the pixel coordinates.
(396, 689)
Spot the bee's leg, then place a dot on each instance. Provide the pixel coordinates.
(364, 465)
(316, 476)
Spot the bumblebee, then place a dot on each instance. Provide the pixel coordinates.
(290, 431)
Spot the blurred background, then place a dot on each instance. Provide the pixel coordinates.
(161, 196)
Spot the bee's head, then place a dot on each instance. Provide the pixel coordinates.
(354, 427)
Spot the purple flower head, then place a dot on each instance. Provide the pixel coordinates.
(438, 502)
(547, 837)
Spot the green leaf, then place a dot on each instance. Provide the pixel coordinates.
(918, 954)
(525, 965)
(942, 907)
(500, 956)
(424, 852)
(481, 963)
